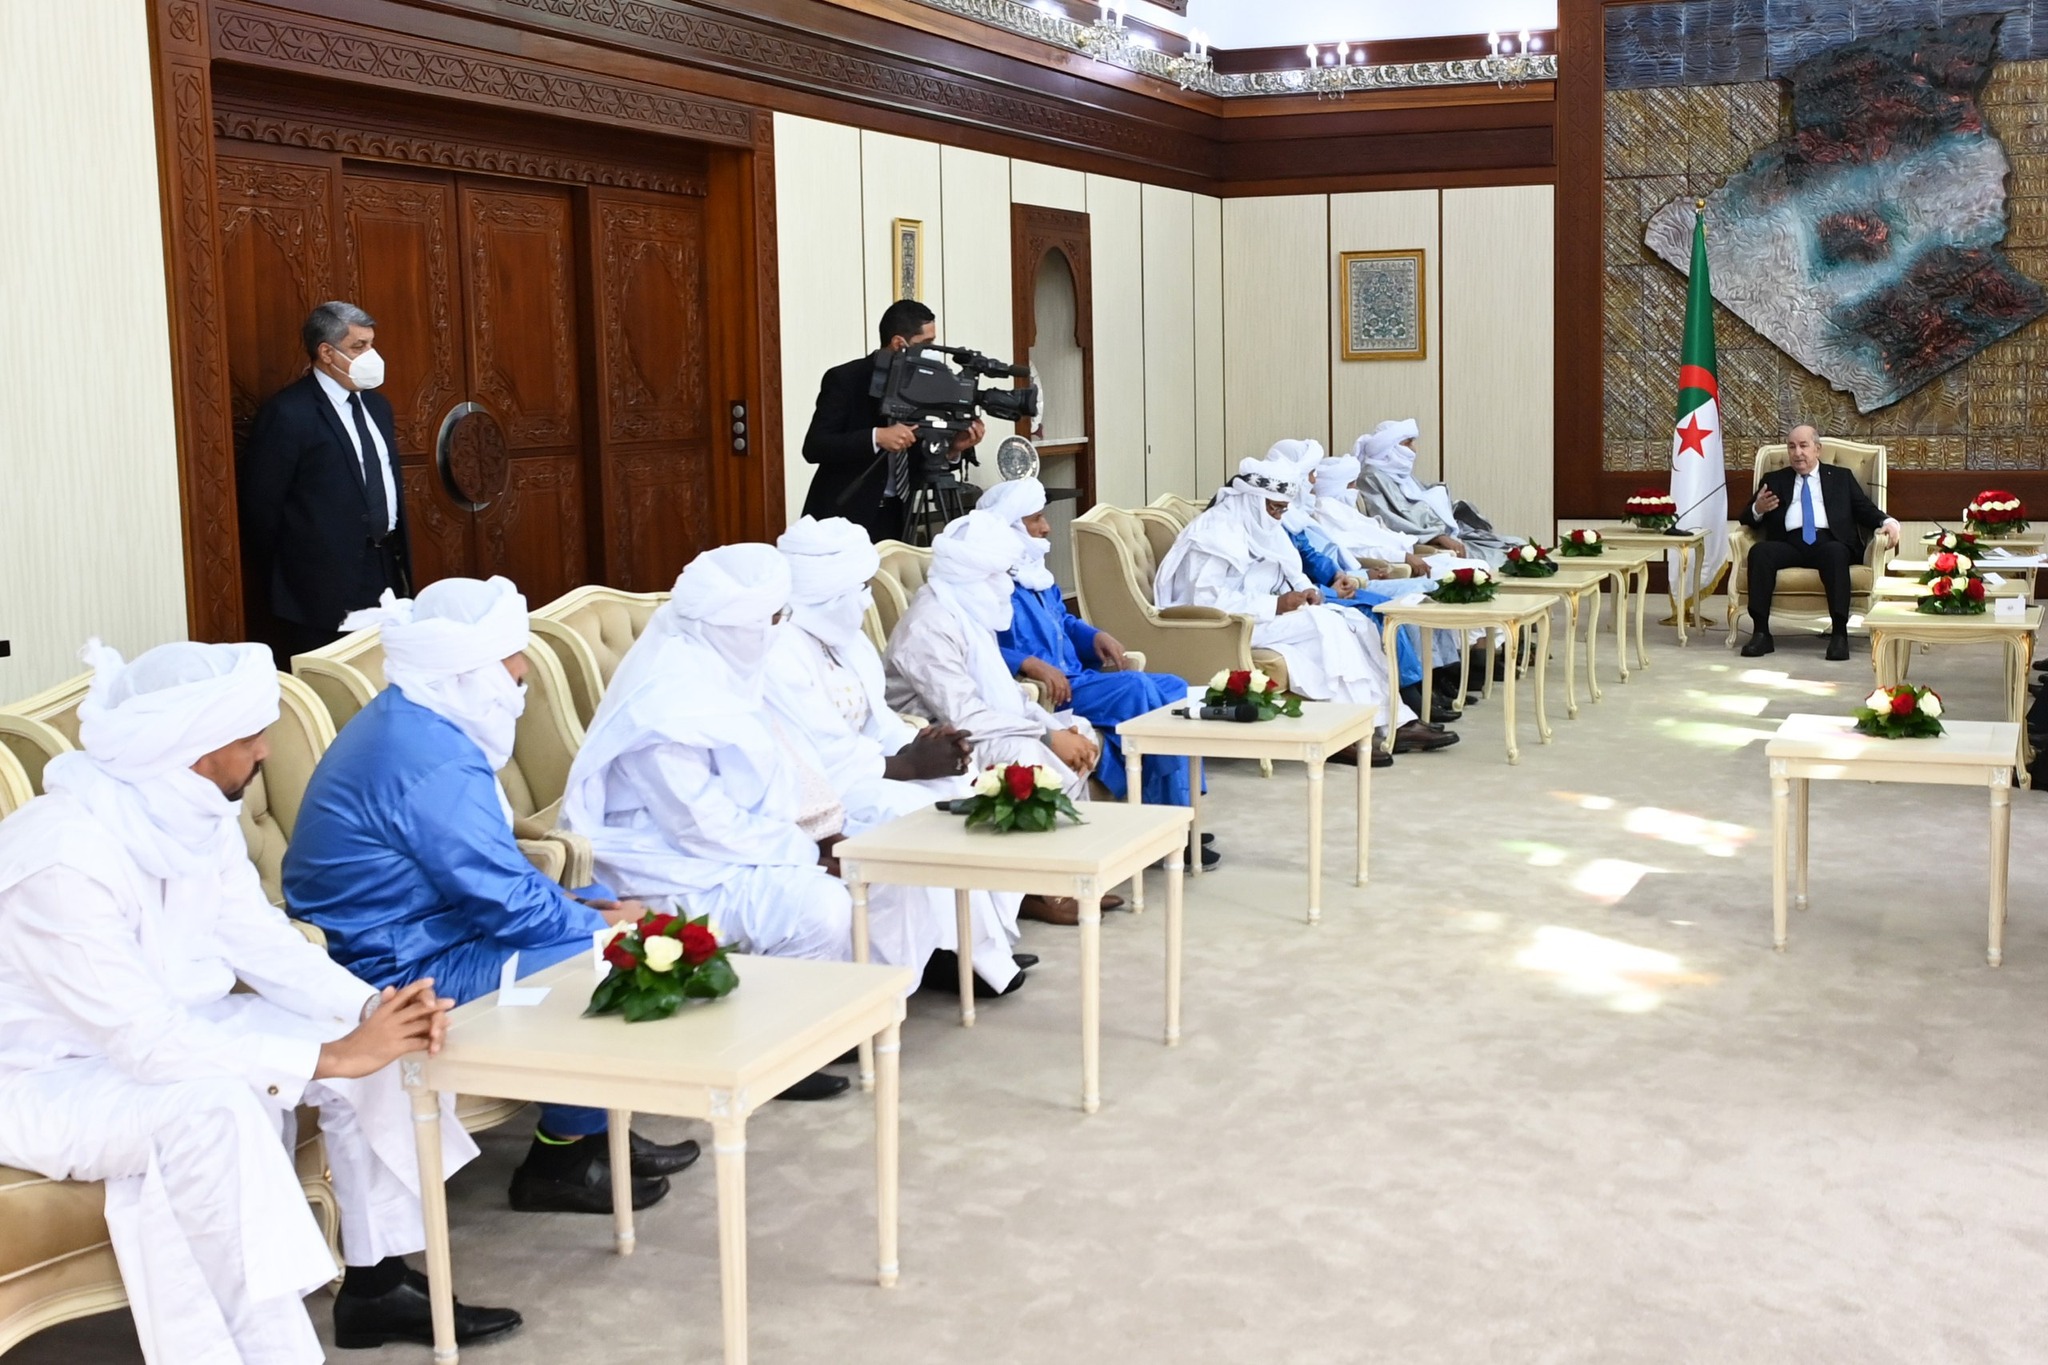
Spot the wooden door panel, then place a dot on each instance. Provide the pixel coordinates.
(519, 287)
(399, 245)
(439, 531)
(533, 532)
(658, 519)
(277, 263)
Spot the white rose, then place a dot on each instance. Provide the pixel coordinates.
(1526, 553)
(1481, 576)
(1930, 705)
(1043, 779)
(1878, 701)
(662, 952)
(1221, 680)
(1592, 537)
(1259, 681)
(990, 783)
(1962, 563)
(2013, 506)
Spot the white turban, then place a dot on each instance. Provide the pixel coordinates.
(1011, 502)
(1237, 528)
(1385, 448)
(1333, 477)
(445, 651)
(1300, 457)
(970, 576)
(728, 598)
(830, 565)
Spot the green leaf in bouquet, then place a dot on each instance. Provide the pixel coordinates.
(711, 980)
(655, 1004)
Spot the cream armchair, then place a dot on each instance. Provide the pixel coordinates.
(1799, 591)
(590, 629)
(1181, 510)
(36, 729)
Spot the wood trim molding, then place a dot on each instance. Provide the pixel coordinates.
(1034, 231)
(1580, 328)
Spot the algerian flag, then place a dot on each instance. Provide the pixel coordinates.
(1699, 474)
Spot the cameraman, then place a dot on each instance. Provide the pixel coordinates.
(857, 477)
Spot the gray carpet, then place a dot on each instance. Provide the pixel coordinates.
(1541, 1092)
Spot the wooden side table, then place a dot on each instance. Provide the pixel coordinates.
(1509, 616)
(931, 848)
(1691, 547)
(1580, 589)
(1323, 728)
(1628, 567)
(718, 1061)
(1809, 748)
(1912, 589)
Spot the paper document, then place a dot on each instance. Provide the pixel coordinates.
(512, 995)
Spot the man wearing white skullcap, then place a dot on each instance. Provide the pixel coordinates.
(825, 684)
(129, 909)
(404, 854)
(1404, 503)
(1238, 557)
(943, 662)
(691, 790)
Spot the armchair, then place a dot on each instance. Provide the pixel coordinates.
(36, 729)
(590, 629)
(1799, 591)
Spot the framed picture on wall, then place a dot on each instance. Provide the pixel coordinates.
(1385, 305)
(906, 240)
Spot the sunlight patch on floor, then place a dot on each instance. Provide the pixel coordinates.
(1622, 976)
(1732, 704)
(1712, 735)
(1715, 838)
(1608, 880)
(1538, 854)
(1778, 681)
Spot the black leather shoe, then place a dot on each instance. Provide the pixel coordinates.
(816, 1086)
(1025, 961)
(650, 1158)
(1759, 645)
(942, 974)
(1210, 859)
(1381, 758)
(1208, 838)
(363, 1323)
(590, 1192)
(1838, 646)
(1415, 737)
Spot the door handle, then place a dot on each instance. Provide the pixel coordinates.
(472, 456)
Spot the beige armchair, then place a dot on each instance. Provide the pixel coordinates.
(1116, 557)
(15, 791)
(590, 629)
(36, 729)
(1799, 591)
(345, 675)
(902, 573)
(1182, 510)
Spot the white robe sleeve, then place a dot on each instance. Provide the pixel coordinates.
(683, 796)
(1216, 582)
(933, 666)
(68, 933)
(276, 960)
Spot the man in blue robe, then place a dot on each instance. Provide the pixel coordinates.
(404, 855)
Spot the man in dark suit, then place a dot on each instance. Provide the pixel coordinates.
(323, 526)
(1810, 516)
(851, 446)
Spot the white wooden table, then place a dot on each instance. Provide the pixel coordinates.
(1691, 548)
(1323, 728)
(931, 848)
(1809, 748)
(1897, 589)
(1510, 616)
(1580, 589)
(718, 1061)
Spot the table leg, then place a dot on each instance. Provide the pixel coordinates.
(1195, 775)
(1364, 818)
(1781, 819)
(963, 916)
(1698, 557)
(1593, 647)
(2001, 846)
(1642, 594)
(426, 1135)
(1802, 836)
(619, 1141)
(1620, 581)
(1134, 772)
(1542, 677)
(1683, 607)
(1880, 663)
(1390, 641)
(1464, 667)
(1091, 993)
(887, 1162)
(1315, 837)
(859, 890)
(1494, 640)
(1175, 905)
(1571, 656)
(729, 1149)
(1513, 636)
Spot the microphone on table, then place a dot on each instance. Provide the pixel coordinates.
(1675, 528)
(1242, 711)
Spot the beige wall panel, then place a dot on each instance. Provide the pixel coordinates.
(1169, 342)
(976, 201)
(91, 543)
(1117, 248)
(1210, 468)
(900, 179)
(1364, 393)
(1055, 187)
(1276, 333)
(1497, 349)
(825, 317)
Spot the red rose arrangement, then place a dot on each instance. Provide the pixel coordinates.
(1251, 687)
(1650, 510)
(1961, 594)
(1956, 542)
(1995, 513)
(1529, 560)
(1019, 796)
(1464, 585)
(1948, 564)
(1903, 712)
(1582, 542)
(659, 963)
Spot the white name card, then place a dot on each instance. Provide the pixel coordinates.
(514, 996)
(2009, 608)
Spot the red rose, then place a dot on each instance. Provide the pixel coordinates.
(1941, 587)
(656, 924)
(1461, 575)
(620, 956)
(1976, 590)
(699, 944)
(1944, 563)
(1272, 686)
(1903, 704)
(1020, 780)
(1239, 680)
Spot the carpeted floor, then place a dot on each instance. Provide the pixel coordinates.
(1541, 1092)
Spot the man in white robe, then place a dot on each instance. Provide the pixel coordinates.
(825, 683)
(129, 909)
(1392, 493)
(1237, 557)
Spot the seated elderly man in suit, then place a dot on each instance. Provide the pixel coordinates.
(1809, 515)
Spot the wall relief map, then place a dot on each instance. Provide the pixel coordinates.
(1867, 243)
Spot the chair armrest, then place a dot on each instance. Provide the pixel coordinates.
(914, 722)
(550, 859)
(1137, 660)
(1033, 693)
(1192, 615)
(579, 866)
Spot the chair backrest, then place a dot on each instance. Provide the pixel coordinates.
(1182, 510)
(590, 629)
(1866, 462)
(15, 791)
(344, 675)
(903, 571)
(38, 728)
(1114, 565)
(270, 806)
(549, 736)
(1161, 529)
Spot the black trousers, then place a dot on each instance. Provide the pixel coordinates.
(1828, 556)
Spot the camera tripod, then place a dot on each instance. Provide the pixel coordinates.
(937, 494)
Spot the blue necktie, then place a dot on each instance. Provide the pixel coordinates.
(1806, 532)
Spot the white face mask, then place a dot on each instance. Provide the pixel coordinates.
(366, 371)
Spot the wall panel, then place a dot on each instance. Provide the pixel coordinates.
(1053, 186)
(1498, 320)
(92, 544)
(900, 179)
(1169, 239)
(1116, 243)
(976, 204)
(825, 317)
(1364, 393)
(1276, 304)
(1210, 464)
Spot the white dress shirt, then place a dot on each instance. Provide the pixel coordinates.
(339, 396)
(1793, 520)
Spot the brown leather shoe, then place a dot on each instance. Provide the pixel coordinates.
(1051, 909)
(1415, 737)
(1112, 902)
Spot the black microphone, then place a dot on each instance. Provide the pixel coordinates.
(1243, 711)
(1676, 529)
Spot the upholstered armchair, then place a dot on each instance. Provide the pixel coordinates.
(1799, 591)
(36, 729)
(590, 629)
(1182, 510)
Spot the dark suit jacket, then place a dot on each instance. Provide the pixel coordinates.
(306, 532)
(841, 442)
(1852, 516)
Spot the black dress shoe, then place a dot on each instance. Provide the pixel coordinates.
(1838, 646)
(816, 1086)
(651, 1158)
(1025, 961)
(589, 1192)
(1415, 737)
(942, 974)
(1208, 838)
(1210, 859)
(1381, 758)
(1759, 645)
(363, 1323)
